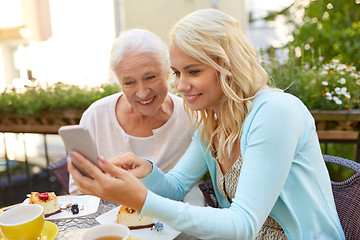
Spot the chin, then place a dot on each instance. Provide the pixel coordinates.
(195, 108)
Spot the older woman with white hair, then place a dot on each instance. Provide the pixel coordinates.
(143, 119)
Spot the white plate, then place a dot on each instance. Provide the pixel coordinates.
(167, 233)
(87, 205)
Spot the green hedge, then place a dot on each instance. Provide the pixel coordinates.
(33, 100)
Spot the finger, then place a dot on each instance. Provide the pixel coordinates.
(126, 164)
(91, 169)
(122, 164)
(84, 182)
(80, 180)
(121, 160)
(110, 168)
(137, 172)
(73, 170)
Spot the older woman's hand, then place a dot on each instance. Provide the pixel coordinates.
(139, 167)
(110, 183)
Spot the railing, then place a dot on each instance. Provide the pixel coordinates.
(332, 126)
(339, 126)
(44, 126)
(15, 186)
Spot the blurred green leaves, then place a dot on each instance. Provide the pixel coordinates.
(323, 55)
(329, 28)
(33, 100)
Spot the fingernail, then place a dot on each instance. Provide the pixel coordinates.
(102, 160)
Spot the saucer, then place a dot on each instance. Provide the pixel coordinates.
(50, 231)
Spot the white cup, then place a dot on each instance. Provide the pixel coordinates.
(106, 230)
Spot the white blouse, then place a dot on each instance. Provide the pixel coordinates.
(164, 147)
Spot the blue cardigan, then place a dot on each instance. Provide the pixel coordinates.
(283, 175)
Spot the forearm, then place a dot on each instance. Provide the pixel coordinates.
(201, 222)
(159, 183)
(178, 181)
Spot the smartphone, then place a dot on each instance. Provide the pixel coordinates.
(77, 138)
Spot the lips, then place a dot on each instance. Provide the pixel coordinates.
(191, 98)
(148, 101)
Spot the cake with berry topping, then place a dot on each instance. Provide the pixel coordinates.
(47, 200)
(128, 217)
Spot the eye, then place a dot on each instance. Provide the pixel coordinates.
(129, 83)
(150, 78)
(194, 72)
(176, 73)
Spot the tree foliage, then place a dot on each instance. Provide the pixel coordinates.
(329, 28)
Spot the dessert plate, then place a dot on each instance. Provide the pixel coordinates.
(49, 232)
(167, 233)
(87, 205)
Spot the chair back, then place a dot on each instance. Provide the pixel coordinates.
(59, 169)
(347, 197)
(208, 192)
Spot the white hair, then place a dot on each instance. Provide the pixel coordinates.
(138, 41)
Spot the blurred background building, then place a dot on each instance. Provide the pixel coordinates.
(70, 40)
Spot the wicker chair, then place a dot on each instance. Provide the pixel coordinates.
(207, 190)
(59, 169)
(347, 197)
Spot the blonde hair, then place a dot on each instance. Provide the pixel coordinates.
(215, 38)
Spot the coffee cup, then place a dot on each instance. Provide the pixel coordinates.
(23, 222)
(107, 231)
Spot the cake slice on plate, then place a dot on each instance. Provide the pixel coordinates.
(128, 217)
(47, 200)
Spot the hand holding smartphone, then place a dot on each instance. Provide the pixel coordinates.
(77, 138)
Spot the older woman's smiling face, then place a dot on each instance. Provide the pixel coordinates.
(143, 80)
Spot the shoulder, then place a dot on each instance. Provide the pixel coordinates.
(278, 104)
(102, 105)
(176, 100)
(273, 98)
(276, 107)
(178, 105)
(105, 101)
(284, 111)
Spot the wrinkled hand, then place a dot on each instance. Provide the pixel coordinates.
(139, 167)
(112, 183)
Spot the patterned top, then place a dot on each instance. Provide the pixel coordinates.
(227, 186)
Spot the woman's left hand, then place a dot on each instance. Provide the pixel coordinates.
(139, 167)
(109, 182)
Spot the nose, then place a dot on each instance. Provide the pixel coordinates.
(182, 84)
(142, 91)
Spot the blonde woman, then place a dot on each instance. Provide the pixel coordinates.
(258, 143)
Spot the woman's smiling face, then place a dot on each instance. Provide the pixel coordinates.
(198, 82)
(143, 79)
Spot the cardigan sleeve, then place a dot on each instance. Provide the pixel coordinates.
(179, 180)
(271, 139)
